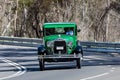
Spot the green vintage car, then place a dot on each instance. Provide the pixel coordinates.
(60, 44)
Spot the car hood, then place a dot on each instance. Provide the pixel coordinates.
(67, 38)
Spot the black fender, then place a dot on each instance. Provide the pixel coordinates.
(79, 48)
(41, 50)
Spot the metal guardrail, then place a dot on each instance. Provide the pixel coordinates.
(19, 41)
(101, 47)
(87, 46)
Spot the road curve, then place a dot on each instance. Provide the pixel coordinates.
(96, 66)
(21, 69)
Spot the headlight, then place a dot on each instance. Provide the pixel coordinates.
(70, 44)
(49, 44)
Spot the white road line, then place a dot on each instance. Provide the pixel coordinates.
(21, 69)
(100, 75)
(92, 77)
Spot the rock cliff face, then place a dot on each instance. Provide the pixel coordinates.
(99, 20)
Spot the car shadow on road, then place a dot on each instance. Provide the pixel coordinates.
(50, 66)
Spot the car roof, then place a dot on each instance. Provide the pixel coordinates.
(59, 24)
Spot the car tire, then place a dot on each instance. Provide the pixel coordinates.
(79, 61)
(41, 64)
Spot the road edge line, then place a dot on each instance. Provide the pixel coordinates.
(21, 69)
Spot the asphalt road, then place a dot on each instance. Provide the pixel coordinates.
(20, 63)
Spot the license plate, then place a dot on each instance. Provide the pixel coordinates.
(59, 48)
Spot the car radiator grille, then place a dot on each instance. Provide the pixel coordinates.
(59, 47)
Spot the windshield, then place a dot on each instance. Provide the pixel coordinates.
(53, 31)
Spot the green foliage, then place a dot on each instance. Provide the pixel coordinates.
(26, 2)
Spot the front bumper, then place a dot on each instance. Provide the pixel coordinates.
(58, 58)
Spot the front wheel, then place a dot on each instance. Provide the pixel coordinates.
(41, 64)
(79, 61)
